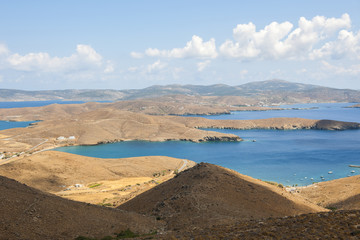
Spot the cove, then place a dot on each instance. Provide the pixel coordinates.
(288, 157)
(285, 156)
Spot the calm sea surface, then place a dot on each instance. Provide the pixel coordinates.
(285, 156)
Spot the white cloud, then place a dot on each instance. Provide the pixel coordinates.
(156, 66)
(84, 58)
(346, 45)
(3, 49)
(136, 55)
(109, 68)
(340, 70)
(196, 48)
(278, 40)
(202, 65)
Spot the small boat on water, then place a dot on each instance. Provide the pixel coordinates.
(330, 172)
(352, 171)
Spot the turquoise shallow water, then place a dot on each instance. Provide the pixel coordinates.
(288, 157)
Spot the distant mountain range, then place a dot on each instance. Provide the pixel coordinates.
(265, 92)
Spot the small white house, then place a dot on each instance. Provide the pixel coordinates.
(71, 138)
(61, 138)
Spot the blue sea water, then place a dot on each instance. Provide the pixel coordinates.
(34, 103)
(7, 125)
(286, 156)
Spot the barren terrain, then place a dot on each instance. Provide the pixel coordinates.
(205, 200)
(27, 213)
(98, 180)
(208, 195)
(341, 193)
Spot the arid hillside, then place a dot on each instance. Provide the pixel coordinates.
(27, 213)
(207, 195)
(343, 193)
(167, 105)
(102, 126)
(102, 181)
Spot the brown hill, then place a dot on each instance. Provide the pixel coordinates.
(169, 105)
(52, 170)
(102, 181)
(343, 193)
(207, 195)
(27, 213)
(102, 126)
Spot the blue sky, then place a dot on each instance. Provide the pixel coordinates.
(135, 44)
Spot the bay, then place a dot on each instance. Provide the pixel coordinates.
(290, 157)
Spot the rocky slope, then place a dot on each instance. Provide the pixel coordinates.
(207, 195)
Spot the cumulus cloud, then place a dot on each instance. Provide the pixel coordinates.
(85, 58)
(195, 48)
(202, 65)
(156, 66)
(279, 40)
(347, 45)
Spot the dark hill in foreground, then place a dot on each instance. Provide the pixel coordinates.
(207, 195)
(27, 213)
(332, 225)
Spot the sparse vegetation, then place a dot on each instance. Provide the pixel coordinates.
(331, 208)
(121, 235)
(275, 184)
(126, 234)
(95, 185)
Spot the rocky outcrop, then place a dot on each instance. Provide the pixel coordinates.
(354, 106)
(335, 125)
(270, 123)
